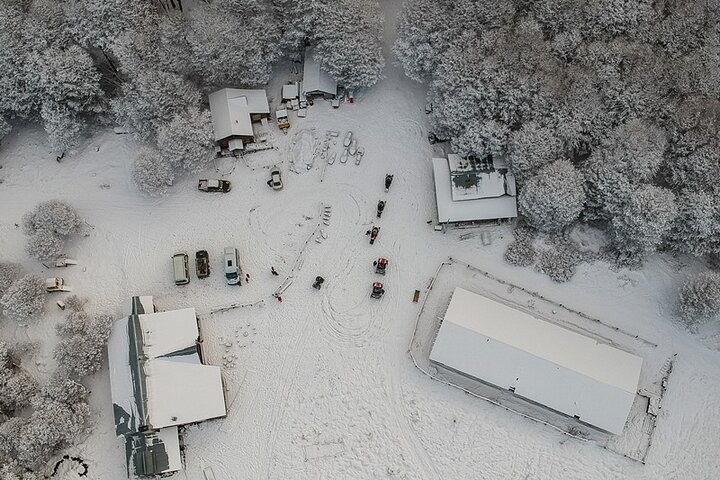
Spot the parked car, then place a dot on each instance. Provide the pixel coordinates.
(352, 149)
(348, 139)
(275, 179)
(232, 266)
(180, 269)
(214, 185)
(202, 264)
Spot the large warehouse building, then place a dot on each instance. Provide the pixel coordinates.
(565, 371)
(158, 382)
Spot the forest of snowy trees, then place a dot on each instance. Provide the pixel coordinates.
(145, 66)
(608, 110)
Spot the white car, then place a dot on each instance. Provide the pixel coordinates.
(275, 179)
(348, 139)
(352, 149)
(232, 268)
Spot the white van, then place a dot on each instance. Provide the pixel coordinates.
(232, 266)
(180, 268)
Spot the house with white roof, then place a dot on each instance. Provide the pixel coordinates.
(159, 381)
(471, 189)
(570, 373)
(316, 81)
(233, 112)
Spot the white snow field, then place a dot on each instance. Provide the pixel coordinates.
(321, 385)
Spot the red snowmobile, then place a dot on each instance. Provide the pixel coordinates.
(380, 265)
(377, 290)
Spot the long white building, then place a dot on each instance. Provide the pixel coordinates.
(563, 370)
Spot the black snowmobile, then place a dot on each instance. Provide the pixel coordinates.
(377, 290)
(373, 234)
(380, 208)
(318, 283)
(388, 181)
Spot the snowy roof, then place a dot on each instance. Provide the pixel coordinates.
(491, 196)
(543, 362)
(231, 109)
(154, 452)
(290, 91)
(315, 79)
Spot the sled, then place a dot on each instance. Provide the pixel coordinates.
(64, 262)
(359, 156)
(56, 284)
(331, 158)
(344, 157)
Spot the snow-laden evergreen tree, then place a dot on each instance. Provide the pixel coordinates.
(24, 298)
(233, 42)
(487, 138)
(636, 149)
(646, 218)
(18, 91)
(5, 127)
(17, 387)
(9, 272)
(532, 147)
(350, 50)
(188, 140)
(82, 340)
(153, 173)
(425, 29)
(152, 99)
(696, 230)
(607, 190)
(554, 198)
(700, 298)
(520, 251)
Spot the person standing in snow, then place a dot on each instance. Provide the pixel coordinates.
(279, 298)
(272, 270)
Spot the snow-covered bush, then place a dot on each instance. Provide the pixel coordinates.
(9, 272)
(520, 252)
(16, 386)
(82, 339)
(554, 198)
(55, 216)
(44, 245)
(645, 219)
(24, 298)
(700, 298)
(153, 173)
(187, 141)
(559, 262)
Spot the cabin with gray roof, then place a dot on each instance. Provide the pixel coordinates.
(159, 382)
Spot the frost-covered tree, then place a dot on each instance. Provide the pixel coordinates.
(16, 386)
(24, 298)
(531, 147)
(82, 340)
(151, 99)
(482, 139)
(187, 141)
(55, 216)
(9, 272)
(647, 216)
(554, 198)
(60, 414)
(636, 149)
(153, 173)
(44, 245)
(520, 251)
(700, 298)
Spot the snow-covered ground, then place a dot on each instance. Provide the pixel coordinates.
(323, 386)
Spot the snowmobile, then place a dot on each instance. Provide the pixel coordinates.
(380, 208)
(380, 265)
(388, 181)
(318, 283)
(373, 234)
(377, 290)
